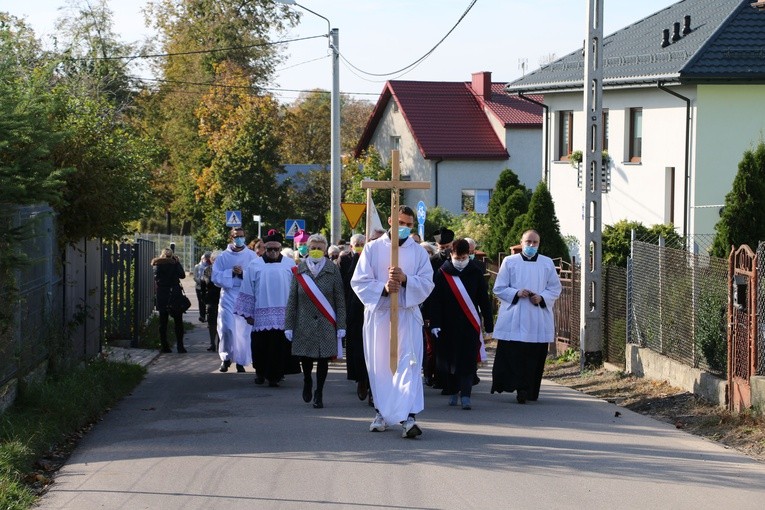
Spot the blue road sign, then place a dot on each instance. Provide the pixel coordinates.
(291, 227)
(233, 218)
(421, 212)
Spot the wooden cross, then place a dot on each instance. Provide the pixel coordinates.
(394, 185)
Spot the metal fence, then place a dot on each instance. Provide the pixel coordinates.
(614, 314)
(187, 249)
(760, 362)
(128, 290)
(677, 304)
(36, 309)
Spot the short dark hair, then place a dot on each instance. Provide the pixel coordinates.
(460, 247)
(405, 209)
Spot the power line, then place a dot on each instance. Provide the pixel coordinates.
(196, 52)
(419, 60)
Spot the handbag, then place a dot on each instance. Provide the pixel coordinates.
(178, 303)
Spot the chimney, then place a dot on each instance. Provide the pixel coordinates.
(676, 32)
(687, 25)
(665, 38)
(482, 84)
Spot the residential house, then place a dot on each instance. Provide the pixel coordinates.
(683, 98)
(457, 135)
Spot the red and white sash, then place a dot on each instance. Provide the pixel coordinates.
(469, 309)
(316, 296)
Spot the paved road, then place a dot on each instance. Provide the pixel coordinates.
(190, 437)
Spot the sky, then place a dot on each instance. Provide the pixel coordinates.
(382, 36)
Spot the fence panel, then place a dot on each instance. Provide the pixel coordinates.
(614, 314)
(760, 345)
(678, 305)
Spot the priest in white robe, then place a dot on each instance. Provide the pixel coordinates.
(263, 303)
(233, 331)
(527, 286)
(398, 396)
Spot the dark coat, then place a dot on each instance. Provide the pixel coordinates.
(314, 336)
(355, 364)
(168, 273)
(458, 342)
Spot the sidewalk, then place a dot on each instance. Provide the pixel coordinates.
(190, 437)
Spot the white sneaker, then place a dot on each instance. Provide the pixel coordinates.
(411, 429)
(378, 424)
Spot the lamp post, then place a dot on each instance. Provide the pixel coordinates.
(333, 34)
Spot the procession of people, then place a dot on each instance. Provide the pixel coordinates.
(284, 310)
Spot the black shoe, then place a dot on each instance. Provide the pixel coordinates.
(211, 348)
(522, 396)
(428, 381)
(362, 388)
(224, 365)
(259, 379)
(182, 350)
(239, 368)
(201, 319)
(317, 403)
(307, 389)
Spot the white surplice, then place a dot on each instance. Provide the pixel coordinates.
(520, 319)
(395, 395)
(233, 330)
(265, 292)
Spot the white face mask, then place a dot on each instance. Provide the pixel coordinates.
(459, 265)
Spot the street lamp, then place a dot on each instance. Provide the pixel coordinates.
(333, 35)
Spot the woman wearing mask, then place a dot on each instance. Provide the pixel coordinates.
(315, 318)
(168, 272)
(460, 300)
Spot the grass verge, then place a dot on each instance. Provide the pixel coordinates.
(40, 429)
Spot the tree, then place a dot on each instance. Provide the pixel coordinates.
(368, 166)
(743, 217)
(617, 239)
(436, 218)
(307, 133)
(239, 33)
(509, 200)
(241, 130)
(541, 217)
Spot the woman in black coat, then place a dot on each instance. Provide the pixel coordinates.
(212, 298)
(168, 272)
(454, 326)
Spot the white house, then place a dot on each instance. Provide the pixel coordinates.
(457, 135)
(683, 98)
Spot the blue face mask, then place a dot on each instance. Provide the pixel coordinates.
(239, 242)
(303, 250)
(403, 232)
(472, 256)
(529, 251)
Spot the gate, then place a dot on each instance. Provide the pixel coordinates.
(566, 309)
(742, 313)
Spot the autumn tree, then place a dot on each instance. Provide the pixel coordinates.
(240, 128)
(199, 35)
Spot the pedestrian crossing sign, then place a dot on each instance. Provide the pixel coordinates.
(233, 218)
(291, 227)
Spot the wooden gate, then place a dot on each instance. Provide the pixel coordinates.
(567, 308)
(742, 328)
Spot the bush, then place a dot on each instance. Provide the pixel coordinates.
(711, 337)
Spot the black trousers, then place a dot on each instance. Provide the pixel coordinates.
(164, 316)
(270, 350)
(201, 302)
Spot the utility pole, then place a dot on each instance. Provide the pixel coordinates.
(591, 313)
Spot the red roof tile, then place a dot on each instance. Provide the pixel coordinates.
(447, 118)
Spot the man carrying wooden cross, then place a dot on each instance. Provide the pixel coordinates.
(392, 278)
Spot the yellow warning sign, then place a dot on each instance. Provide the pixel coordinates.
(353, 212)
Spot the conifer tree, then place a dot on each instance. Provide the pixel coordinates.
(541, 217)
(509, 200)
(743, 217)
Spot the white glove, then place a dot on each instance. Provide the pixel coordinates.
(435, 332)
(340, 344)
(340, 334)
(288, 334)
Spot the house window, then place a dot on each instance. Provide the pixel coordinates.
(476, 200)
(605, 130)
(565, 134)
(636, 135)
(395, 143)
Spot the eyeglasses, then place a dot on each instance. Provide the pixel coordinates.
(273, 249)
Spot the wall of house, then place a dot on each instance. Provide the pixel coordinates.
(642, 191)
(731, 120)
